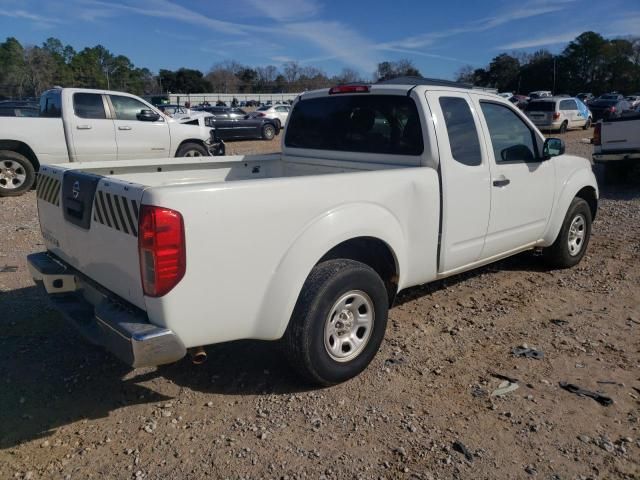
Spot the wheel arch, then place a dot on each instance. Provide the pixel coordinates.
(345, 232)
(191, 140)
(23, 149)
(581, 184)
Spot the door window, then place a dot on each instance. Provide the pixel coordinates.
(512, 139)
(127, 108)
(463, 135)
(568, 105)
(89, 105)
(50, 104)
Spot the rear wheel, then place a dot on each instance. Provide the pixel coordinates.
(563, 127)
(268, 132)
(338, 322)
(192, 149)
(571, 243)
(17, 174)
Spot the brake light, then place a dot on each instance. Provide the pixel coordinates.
(161, 247)
(556, 115)
(350, 89)
(597, 134)
(612, 109)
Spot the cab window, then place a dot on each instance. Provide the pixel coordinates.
(511, 138)
(463, 136)
(89, 105)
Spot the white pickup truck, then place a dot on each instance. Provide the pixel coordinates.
(378, 188)
(79, 125)
(616, 142)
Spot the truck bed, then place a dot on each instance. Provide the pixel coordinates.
(184, 171)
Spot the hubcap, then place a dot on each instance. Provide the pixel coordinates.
(577, 232)
(349, 325)
(12, 174)
(193, 153)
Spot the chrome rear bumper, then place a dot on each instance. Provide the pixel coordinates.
(102, 318)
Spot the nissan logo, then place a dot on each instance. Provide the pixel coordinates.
(75, 190)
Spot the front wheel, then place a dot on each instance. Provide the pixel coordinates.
(587, 125)
(17, 174)
(338, 322)
(192, 149)
(572, 241)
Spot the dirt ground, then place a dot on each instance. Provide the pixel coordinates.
(68, 410)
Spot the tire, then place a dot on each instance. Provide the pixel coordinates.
(17, 174)
(587, 125)
(563, 127)
(192, 149)
(268, 132)
(573, 239)
(335, 290)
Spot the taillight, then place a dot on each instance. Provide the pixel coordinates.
(556, 115)
(612, 109)
(597, 134)
(350, 89)
(162, 250)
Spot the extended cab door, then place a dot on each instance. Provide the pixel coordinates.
(138, 138)
(91, 128)
(522, 184)
(464, 170)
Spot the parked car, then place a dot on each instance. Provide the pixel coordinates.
(634, 100)
(312, 244)
(539, 94)
(611, 96)
(84, 125)
(558, 113)
(616, 143)
(519, 101)
(276, 112)
(226, 112)
(243, 128)
(608, 108)
(585, 97)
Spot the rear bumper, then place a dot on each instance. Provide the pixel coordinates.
(615, 157)
(102, 318)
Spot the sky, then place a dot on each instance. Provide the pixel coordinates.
(438, 36)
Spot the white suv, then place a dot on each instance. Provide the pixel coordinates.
(558, 113)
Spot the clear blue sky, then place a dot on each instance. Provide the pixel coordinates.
(438, 36)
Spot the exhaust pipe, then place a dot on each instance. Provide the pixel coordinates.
(198, 355)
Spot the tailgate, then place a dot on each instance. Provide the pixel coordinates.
(621, 134)
(91, 222)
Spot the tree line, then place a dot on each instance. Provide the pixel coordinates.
(589, 63)
(26, 71)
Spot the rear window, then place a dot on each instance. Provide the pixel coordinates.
(387, 124)
(540, 107)
(50, 105)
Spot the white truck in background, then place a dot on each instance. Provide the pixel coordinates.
(378, 188)
(616, 143)
(83, 125)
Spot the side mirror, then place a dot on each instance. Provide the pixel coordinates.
(148, 116)
(552, 148)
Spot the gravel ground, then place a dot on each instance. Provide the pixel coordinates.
(68, 410)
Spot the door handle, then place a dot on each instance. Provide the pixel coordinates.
(83, 127)
(501, 182)
(124, 128)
